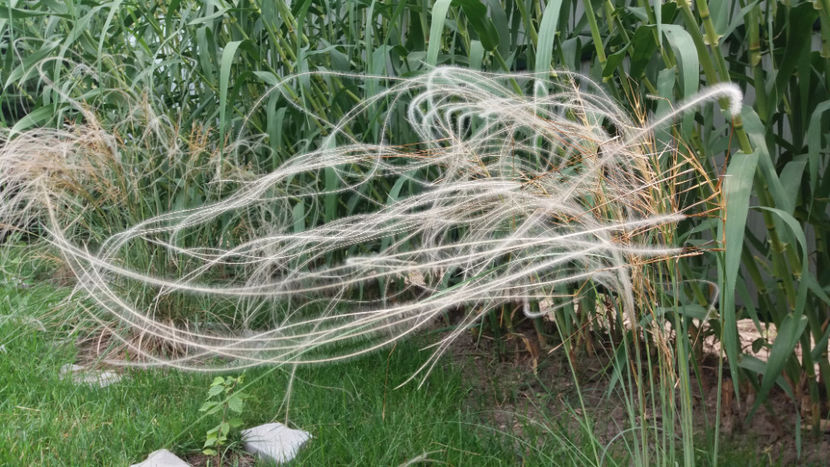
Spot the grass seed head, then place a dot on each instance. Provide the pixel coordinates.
(505, 198)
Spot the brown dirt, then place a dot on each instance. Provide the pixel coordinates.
(509, 391)
(512, 380)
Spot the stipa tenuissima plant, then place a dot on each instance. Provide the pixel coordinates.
(505, 199)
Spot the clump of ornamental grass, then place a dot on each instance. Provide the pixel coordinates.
(504, 199)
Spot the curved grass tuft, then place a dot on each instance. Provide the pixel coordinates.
(504, 199)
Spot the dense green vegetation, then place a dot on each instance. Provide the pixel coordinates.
(204, 69)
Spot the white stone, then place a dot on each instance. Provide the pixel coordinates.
(81, 375)
(162, 458)
(274, 441)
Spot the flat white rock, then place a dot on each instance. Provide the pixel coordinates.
(274, 441)
(81, 375)
(162, 458)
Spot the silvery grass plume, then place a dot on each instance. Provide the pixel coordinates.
(505, 199)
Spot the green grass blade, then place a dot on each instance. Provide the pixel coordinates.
(37, 117)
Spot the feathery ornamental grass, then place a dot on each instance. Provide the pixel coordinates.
(508, 199)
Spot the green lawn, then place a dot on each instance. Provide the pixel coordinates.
(352, 409)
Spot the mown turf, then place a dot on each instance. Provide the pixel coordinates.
(353, 410)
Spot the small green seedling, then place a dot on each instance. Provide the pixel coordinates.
(226, 397)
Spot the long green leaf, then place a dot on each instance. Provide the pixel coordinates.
(794, 324)
(228, 55)
(547, 34)
(439, 16)
(737, 187)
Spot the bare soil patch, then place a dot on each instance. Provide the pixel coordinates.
(514, 386)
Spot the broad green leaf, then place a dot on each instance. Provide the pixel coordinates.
(476, 54)
(737, 187)
(719, 11)
(499, 17)
(665, 90)
(794, 324)
(642, 50)
(477, 17)
(209, 405)
(658, 19)
(235, 403)
(790, 178)
(737, 19)
(115, 7)
(34, 118)
(684, 48)
(298, 214)
(547, 35)
(788, 336)
(28, 64)
(228, 55)
(436, 29)
(759, 367)
(218, 15)
(613, 61)
(799, 34)
(267, 77)
(815, 132)
(204, 40)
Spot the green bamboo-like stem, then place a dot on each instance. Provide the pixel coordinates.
(609, 13)
(592, 21)
(529, 24)
(753, 21)
(708, 66)
(712, 39)
(503, 64)
(697, 38)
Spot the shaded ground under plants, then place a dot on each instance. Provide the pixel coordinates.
(527, 395)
